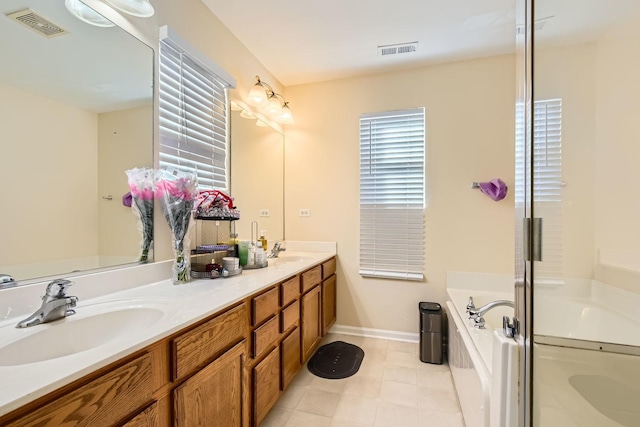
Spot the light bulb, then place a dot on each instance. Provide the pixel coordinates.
(257, 95)
(286, 116)
(273, 107)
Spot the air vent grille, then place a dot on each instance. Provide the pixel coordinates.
(37, 23)
(397, 49)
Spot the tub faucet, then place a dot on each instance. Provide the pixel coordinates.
(475, 314)
(56, 304)
(277, 248)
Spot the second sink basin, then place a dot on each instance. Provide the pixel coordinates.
(93, 326)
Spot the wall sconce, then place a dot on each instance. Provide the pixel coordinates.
(272, 104)
(139, 8)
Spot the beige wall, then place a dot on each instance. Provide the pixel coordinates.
(618, 146)
(120, 134)
(257, 177)
(36, 131)
(470, 131)
(569, 73)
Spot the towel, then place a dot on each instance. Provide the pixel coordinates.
(496, 189)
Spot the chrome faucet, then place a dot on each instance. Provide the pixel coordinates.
(475, 314)
(7, 281)
(56, 304)
(277, 248)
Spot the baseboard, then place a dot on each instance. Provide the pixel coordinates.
(374, 333)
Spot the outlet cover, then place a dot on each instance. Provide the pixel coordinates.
(264, 212)
(305, 212)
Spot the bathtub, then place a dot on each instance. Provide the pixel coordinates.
(573, 318)
(483, 362)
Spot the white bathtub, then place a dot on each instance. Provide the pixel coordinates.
(483, 362)
(574, 317)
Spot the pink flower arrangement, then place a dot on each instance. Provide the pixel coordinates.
(141, 183)
(176, 192)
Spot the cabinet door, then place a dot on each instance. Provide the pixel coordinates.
(328, 304)
(213, 396)
(290, 357)
(311, 326)
(266, 385)
(150, 417)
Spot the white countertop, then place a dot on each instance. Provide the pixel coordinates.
(184, 304)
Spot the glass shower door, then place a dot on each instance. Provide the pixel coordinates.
(584, 150)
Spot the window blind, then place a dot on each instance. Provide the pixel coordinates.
(547, 183)
(193, 117)
(392, 194)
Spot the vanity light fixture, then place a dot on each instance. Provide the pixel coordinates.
(271, 103)
(86, 14)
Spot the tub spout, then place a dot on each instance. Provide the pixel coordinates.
(475, 314)
(480, 311)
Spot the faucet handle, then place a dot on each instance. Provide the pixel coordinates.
(58, 288)
(470, 305)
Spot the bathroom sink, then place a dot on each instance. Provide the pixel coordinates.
(93, 326)
(289, 257)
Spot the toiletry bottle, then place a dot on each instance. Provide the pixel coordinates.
(259, 255)
(243, 252)
(251, 261)
(263, 240)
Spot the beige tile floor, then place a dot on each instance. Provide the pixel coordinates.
(393, 388)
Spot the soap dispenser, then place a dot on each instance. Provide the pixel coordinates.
(263, 240)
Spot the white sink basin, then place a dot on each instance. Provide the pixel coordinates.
(93, 326)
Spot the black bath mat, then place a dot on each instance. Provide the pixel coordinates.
(336, 360)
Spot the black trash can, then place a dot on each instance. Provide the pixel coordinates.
(431, 330)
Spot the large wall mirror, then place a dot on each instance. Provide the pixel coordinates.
(257, 177)
(76, 111)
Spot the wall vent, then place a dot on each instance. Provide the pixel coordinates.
(37, 23)
(397, 49)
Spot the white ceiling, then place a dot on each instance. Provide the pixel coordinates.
(303, 41)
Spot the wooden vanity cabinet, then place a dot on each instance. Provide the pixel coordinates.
(227, 370)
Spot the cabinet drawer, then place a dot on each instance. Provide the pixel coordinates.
(264, 336)
(289, 290)
(107, 400)
(328, 268)
(264, 306)
(311, 278)
(198, 346)
(290, 316)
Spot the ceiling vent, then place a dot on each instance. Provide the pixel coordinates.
(397, 49)
(37, 23)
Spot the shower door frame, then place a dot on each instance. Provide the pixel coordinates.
(524, 241)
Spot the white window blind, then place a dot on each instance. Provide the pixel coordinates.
(547, 184)
(193, 117)
(392, 194)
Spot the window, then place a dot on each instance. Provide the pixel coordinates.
(392, 194)
(193, 113)
(547, 183)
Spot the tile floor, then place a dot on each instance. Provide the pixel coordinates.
(393, 388)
